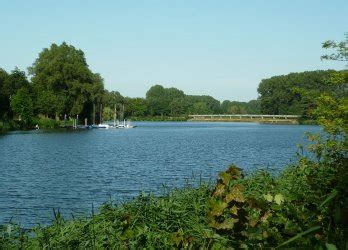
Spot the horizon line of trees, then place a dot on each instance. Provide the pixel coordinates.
(60, 84)
(296, 93)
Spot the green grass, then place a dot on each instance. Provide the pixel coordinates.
(46, 123)
(146, 221)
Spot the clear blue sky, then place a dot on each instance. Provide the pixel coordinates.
(217, 48)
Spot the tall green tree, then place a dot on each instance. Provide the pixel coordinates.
(17, 79)
(173, 102)
(22, 105)
(136, 107)
(155, 97)
(9, 85)
(293, 93)
(159, 99)
(332, 110)
(234, 107)
(62, 74)
(108, 114)
(203, 104)
(178, 106)
(4, 98)
(112, 98)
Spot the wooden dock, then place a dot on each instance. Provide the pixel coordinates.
(281, 119)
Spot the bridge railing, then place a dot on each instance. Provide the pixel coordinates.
(250, 116)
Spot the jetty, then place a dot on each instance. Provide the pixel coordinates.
(281, 119)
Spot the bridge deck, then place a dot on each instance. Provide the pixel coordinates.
(247, 118)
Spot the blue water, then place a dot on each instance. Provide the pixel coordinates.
(70, 170)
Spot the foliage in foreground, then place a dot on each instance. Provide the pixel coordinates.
(146, 221)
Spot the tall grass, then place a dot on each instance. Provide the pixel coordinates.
(147, 221)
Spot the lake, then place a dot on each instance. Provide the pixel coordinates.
(71, 170)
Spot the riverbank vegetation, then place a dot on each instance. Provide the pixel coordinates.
(305, 206)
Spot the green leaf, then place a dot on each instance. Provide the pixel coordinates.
(219, 190)
(225, 177)
(330, 246)
(330, 197)
(279, 199)
(312, 229)
(268, 197)
(217, 207)
(226, 224)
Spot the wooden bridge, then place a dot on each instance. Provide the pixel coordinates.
(282, 119)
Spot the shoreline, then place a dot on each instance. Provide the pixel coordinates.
(57, 125)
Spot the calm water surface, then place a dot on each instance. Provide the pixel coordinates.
(70, 170)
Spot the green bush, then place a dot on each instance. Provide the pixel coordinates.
(46, 123)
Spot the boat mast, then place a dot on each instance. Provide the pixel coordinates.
(93, 113)
(115, 115)
(100, 114)
(124, 121)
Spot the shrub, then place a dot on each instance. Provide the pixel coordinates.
(46, 123)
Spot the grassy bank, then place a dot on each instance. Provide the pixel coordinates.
(43, 123)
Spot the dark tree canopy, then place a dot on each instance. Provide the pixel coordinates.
(63, 83)
(112, 98)
(173, 102)
(4, 98)
(9, 85)
(293, 93)
(136, 107)
(234, 107)
(22, 105)
(202, 104)
(159, 99)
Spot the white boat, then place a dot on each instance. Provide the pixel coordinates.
(126, 124)
(106, 126)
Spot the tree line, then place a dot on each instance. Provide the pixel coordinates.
(60, 84)
(296, 93)
(172, 102)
